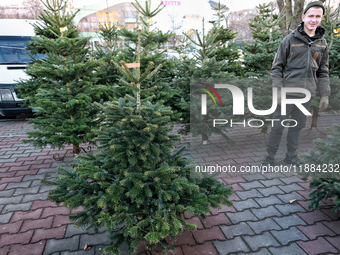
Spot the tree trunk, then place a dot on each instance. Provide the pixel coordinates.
(315, 117)
(298, 11)
(292, 18)
(289, 13)
(205, 139)
(76, 148)
(281, 5)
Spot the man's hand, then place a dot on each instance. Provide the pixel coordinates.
(323, 103)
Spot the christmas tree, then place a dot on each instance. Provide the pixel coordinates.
(332, 35)
(107, 52)
(323, 167)
(135, 185)
(213, 59)
(152, 40)
(48, 28)
(66, 92)
(259, 55)
(258, 59)
(204, 71)
(181, 83)
(331, 25)
(225, 48)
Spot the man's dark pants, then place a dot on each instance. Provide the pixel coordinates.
(292, 112)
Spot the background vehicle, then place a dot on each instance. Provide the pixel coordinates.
(14, 35)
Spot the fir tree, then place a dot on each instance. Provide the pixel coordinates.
(259, 55)
(214, 58)
(204, 69)
(225, 48)
(181, 82)
(135, 185)
(331, 24)
(323, 167)
(65, 94)
(325, 179)
(48, 28)
(107, 52)
(152, 40)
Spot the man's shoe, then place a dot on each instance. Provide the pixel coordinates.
(268, 161)
(295, 161)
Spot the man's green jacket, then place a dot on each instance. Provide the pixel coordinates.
(302, 62)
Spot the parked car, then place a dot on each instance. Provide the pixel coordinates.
(14, 35)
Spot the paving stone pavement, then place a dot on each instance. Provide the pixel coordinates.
(262, 220)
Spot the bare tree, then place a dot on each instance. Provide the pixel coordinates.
(34, 8)
(9, 13)
(175, 24)
(239, 22)
(293, 17)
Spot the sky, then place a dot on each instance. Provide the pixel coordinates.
(234, 5)
(200, 7)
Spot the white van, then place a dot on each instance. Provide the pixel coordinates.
(14, 35)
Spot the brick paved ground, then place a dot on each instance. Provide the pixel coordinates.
(262, 221)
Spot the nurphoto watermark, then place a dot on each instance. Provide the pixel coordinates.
(231, 111)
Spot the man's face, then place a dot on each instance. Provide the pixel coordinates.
(312, 18)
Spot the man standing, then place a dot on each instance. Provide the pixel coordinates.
(301, 61)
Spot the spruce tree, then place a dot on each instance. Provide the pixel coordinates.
(135, 185)
(259, 54)
(331, 24)
(226, 50)
(152, 43)
(66, 92)
(325, 161)
(324, 169)
(205, 69)
(48, 28)
(181, 82)
(214, 58)
(107, 52)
